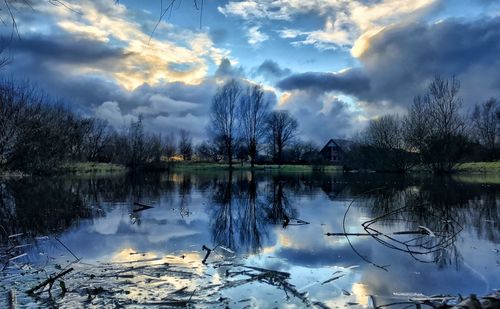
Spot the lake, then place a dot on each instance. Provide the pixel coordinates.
(245, 239)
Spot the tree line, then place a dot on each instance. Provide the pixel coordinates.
(242, 124)
(435, 132)
(39, 134)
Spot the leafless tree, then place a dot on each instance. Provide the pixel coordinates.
(169, 145)
(223, 116)
(14, 112)
(385, 133)
(282, 128)
(387, 148)
(435, 126)
(136, 144)
(254, 111)
(485, 123)
(443, 107)
(416, 128)
(154, 149)
(95, 139)
(208, 151)
(185, 145)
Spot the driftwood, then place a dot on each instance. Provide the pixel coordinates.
(141, 207)
(332, 279)
(50, 281)
(417, 232)
(207, 254)
(76, 258)
(12, 300)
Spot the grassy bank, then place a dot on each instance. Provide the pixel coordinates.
(207, 166)
(479, 167)
(90, 168)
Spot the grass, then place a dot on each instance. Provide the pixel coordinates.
(479, 167)
(92, 168)
(83, 168)
(205, 166)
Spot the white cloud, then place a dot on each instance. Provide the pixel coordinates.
(147, 59)
(346, 20)
(111, 112)
(255, 36)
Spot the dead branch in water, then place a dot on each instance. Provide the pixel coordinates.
(141, 207)
(50, 281)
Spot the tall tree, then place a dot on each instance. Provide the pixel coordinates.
(136, 143)
(416, 125)
(435, 126)
(169, 145)
(282, 128)
(95, 139)
(223, 116)
(485, 123)
(185, 145)
(254, 110)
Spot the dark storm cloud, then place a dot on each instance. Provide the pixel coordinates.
(65, 49)
(52, 64)
(48, 62)
(352, 81)
(271, 70)
(400, 61)
(311, 108)
(227, 70)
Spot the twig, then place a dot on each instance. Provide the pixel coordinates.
(206, 255)
(49, 281)
(67, 248)
(384, 267)
(142, 207)
(332, 279)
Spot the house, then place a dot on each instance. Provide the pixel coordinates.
(335, 150)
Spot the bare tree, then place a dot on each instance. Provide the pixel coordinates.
(14, 112)
(416, 128)
(169, 145)
(443, 107)
(485, 123)
(208, 151)
(185, 145)
(136, 144)
(95, 139)
(387, 150)
(154, 149)
(385, 133)
(435, 126)
(254, 110)
(223, 116)
(282, 128)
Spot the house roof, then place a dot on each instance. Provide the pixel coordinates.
(340, 144)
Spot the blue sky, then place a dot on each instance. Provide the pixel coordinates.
(334, 64)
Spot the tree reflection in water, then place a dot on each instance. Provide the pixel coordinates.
(244, 207)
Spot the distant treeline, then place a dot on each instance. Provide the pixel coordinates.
(39, 135)
(436, 133)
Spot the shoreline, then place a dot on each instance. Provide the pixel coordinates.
(91, 168)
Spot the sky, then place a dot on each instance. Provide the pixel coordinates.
(334, 64)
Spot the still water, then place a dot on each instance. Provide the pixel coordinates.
(332, 239)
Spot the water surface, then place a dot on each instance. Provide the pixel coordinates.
(443, 235)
